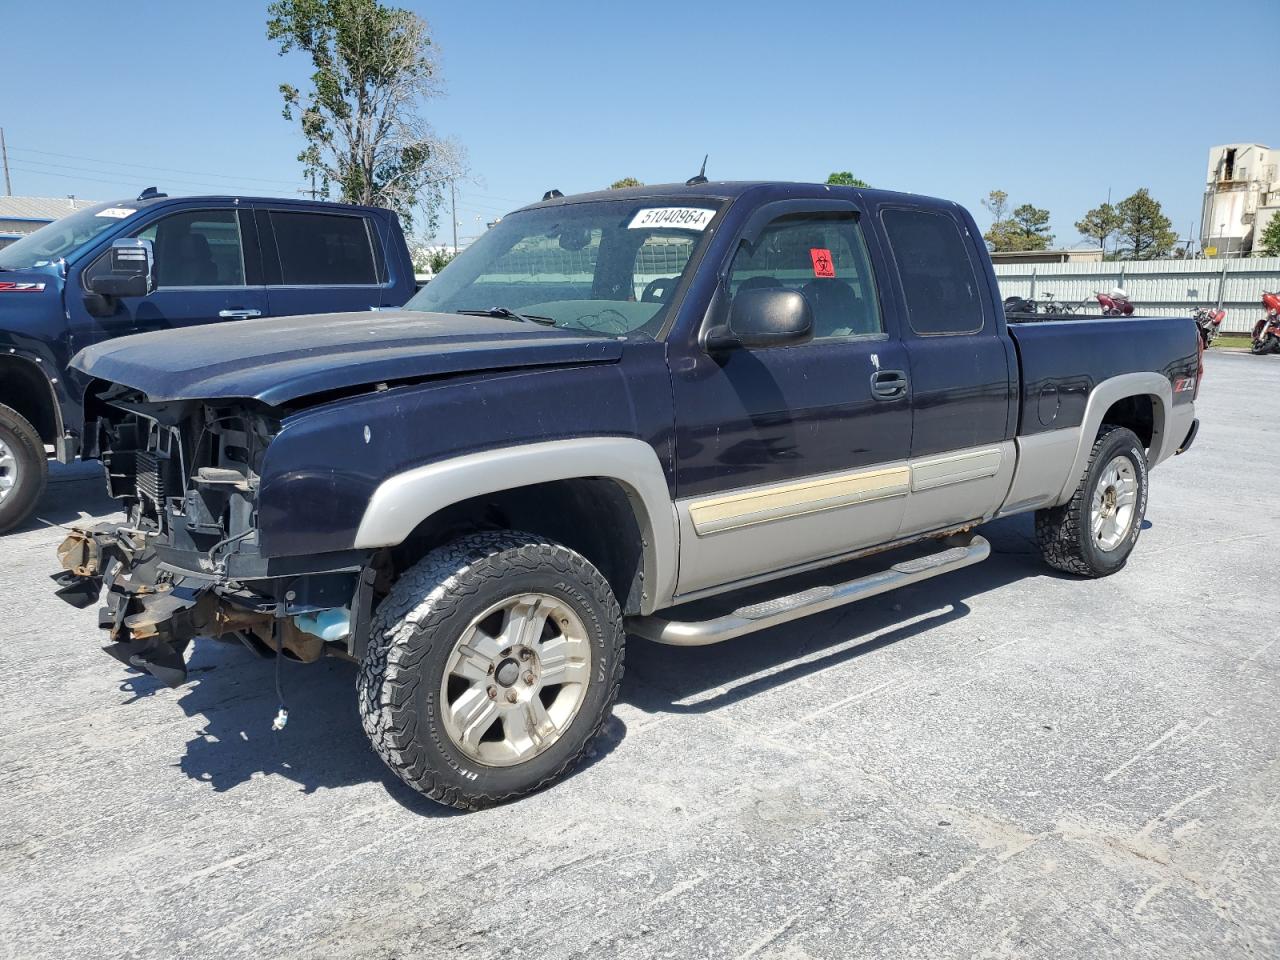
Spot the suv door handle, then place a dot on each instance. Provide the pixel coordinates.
(239, 314)
(888, 384)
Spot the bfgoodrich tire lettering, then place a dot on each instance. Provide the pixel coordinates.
(24, 469)
(1066, 533)
(415, 635)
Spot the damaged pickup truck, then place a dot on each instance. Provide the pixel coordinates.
(670, 411)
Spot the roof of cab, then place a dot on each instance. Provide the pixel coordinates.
(140, 203)
(728, 190)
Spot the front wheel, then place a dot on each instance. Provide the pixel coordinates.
(492, 664)
(24, 468)
(1267, 344)
(1094, 532)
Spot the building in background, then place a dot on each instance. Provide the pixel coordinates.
(1241, 194)
(22, 215)
(1074, 255)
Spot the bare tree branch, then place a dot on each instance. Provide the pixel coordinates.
(374, 68)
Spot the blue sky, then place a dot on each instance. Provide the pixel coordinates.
(1056, 103)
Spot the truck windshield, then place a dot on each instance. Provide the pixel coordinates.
(62, 237)
(606, 266)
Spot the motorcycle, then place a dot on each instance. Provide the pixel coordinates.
(1266, 332)
(1208, 322)
(1115, 304)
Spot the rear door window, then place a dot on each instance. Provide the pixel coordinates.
(323, 249)
(938, 275)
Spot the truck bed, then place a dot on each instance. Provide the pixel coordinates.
(1063, 359)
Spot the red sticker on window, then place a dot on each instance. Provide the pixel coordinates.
(822, 265)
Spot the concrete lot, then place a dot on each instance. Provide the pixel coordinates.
(1001, 763)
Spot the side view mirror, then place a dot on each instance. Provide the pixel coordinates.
(132, 273)
(764, 317)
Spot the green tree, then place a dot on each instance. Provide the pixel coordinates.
(373, 66)
(1145, 231)
(625, 182)
(843, 178)
(1101, 224)
(1033, 227)
(1025, 228)
(1002, 234)
(1269, 242)
(440, 258)
(431, 259)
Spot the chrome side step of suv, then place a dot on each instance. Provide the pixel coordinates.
(770, 613)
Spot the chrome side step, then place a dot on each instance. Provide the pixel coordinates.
(770, 613)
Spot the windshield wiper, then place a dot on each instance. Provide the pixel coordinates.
(510, 314)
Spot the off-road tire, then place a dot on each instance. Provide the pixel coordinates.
(414, 632)
(1063, 532)
(24, 442)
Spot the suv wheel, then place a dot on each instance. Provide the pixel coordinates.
(24, 469)
(491, 665)
(1094, 532)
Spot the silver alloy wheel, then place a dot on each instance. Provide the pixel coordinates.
(1115, 500)
(515, 679)
(8, 470)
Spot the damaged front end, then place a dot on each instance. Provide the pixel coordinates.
(186, 562)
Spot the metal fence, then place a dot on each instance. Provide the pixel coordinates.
(1156, 287)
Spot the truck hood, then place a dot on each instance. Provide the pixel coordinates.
(279, 359)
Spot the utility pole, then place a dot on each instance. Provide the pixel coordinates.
(453, 198)
(4, 152)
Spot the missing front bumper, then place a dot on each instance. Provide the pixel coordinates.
(152, 611)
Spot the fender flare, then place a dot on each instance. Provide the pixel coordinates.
(40, 367)
(403, 501)
(1111, 391)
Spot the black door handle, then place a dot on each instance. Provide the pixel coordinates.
(888, 384)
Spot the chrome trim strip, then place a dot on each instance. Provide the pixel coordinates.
(951, 468)
(785, 501)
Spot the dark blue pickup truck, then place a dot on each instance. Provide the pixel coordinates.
(157, 263)
(666, 411)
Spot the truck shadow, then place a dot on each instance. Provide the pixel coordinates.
(664, 679)
(324, 745)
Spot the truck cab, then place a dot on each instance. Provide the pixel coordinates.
(201, 260)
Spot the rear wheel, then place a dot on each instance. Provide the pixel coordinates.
(491, 666)
(24, 469)
(1094, 532)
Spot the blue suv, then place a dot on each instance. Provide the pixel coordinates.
(157, 263)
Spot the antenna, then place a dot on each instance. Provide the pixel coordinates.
(702, 174)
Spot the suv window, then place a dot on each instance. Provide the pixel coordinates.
(194, 248)
(936, 270)
(323, 249)
(823, 256)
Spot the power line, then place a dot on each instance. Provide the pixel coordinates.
(123, 178)
(147, 167)
(122, 183)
